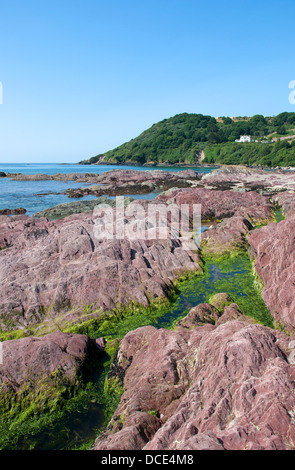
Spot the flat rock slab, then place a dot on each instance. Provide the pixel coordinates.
(61, 211)
(243, 178)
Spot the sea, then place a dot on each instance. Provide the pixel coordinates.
(35, 196)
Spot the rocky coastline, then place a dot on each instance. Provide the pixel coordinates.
(217, 378)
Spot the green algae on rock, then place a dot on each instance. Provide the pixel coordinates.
(233, 276)
(118, 322)
(42, 381)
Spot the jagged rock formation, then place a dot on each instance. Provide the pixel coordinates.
(228, 386)
(51, 267)
(273, 248)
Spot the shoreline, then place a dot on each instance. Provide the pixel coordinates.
(187, 165)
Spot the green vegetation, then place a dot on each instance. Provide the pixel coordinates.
(279, 215)
(50, 415)
(184, 138)
(56, 414)
(117, 323)
(233, 275)
(269, 155)
(36, 416)
(46, 414)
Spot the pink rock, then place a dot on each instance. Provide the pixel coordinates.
(227, 236)
(273, 248)
(238, 176)
(60, 266)
(213, 387)
(286, 200)
(221, 204)
(100, 342)
(233, 312)
(197, 316)
(31, 359)
(126, 176)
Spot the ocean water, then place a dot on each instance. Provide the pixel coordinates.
(35, 196)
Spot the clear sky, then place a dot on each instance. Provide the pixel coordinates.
(81, 77)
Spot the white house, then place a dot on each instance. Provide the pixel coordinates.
(245, 138)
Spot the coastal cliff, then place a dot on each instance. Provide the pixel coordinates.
(198, 139)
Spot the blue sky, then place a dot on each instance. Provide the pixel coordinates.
(82, 77)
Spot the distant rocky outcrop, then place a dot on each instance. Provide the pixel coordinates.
(227, 237)
(117, 182)
(69, 208)
(121, 182)
(126, 176)
(18, 211)
(248, 179)
(77, 177)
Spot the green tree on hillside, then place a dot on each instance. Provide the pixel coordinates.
(180, 138)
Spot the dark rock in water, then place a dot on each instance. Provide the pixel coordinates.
(223, 387)
(65, 210)
(18, 211)
(77, 177)
(2, 174)
(120, 182)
